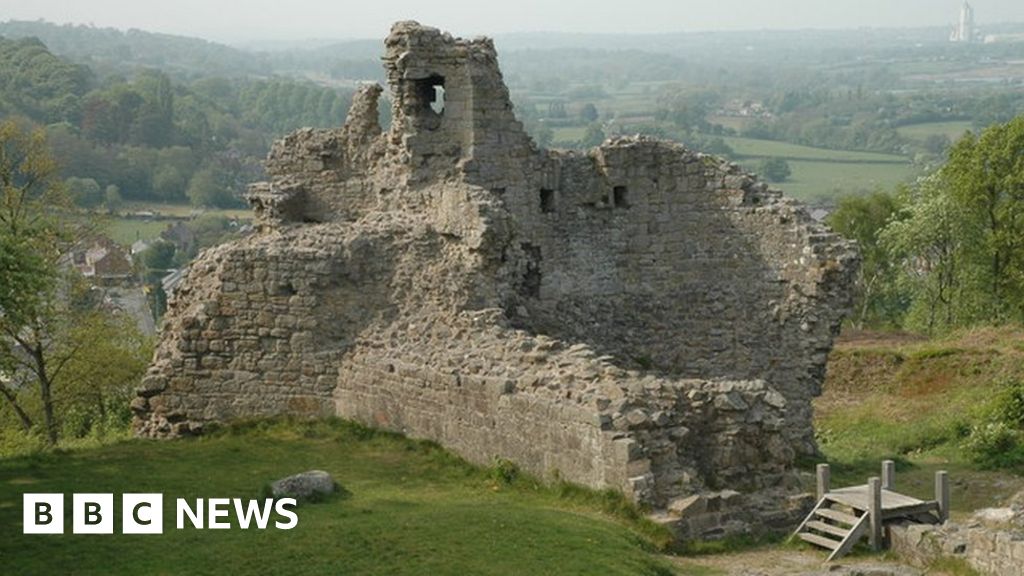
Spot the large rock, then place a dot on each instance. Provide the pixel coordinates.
(305, 485)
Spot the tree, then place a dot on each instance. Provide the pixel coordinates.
(985, 180)
(588, 113)
(95, 388)
(924, 243)
(210, 188)
(55, 341)
(962, 240)
(774, 169)
(86, 192)
(30, 239)
(112, 198)
(862, 218)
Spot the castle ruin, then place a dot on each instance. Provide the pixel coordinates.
(638, 316)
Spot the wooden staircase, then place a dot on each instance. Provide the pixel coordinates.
(832, 528)
(843, 516)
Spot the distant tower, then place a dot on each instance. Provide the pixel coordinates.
(964, 30)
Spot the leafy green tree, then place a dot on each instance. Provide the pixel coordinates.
(924, 242)
(85, 192)
(159, 257)
(210, 230)
(588, 113)
(962, 241)
(862, 218)
(211, 187)
(30, 240)
(112, 198)
(985, 179)
(169, 184)
(774, 169)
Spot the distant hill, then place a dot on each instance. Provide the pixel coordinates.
(108, 50)
(38, 85)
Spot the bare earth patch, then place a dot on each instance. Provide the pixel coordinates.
(791, 562)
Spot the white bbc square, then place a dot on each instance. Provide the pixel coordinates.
(142, 514)
(46, 507)
(92, 514)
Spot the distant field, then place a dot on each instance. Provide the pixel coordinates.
(568, 133)
(819, 174)
(184, 210)
(818, 182)
(734, 122)
(125, 231)
(952, 130)
(750, 147)
(821, 181)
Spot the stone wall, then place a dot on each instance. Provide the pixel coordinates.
(991, 541)
(639, 316)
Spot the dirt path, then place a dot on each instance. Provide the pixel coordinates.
(789, 562)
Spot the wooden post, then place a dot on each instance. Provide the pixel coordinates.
(888, 475)
(824, 477)
(942, 494)
(875, 510)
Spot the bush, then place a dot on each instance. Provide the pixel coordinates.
(775, 169)
(504, 471)
(989, 441)
(1008, 404)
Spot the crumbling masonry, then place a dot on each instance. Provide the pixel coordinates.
(638, 316)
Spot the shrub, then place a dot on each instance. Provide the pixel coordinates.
(504, 471)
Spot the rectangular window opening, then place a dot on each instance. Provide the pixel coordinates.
(547, 200)
(620, 197)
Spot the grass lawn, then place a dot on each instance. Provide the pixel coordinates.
(821, 175)
(822, 182)
(185, 210)
(952, 130)
(915, 402)
(413, 509)
(568, 133)
(750, 147)
(125, 231)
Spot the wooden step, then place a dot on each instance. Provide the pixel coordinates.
(820, 540)
(837, 516)
(856, 533)
(828, 528)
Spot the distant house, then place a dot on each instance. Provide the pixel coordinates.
(180, 235)
(139, 246)
(172, 280)
(103, 262)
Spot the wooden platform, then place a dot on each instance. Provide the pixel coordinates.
(894, 504)
(844, 516)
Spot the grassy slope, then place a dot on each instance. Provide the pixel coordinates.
(414, 509)
(890, 397)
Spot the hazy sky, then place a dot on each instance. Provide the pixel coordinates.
(242, 20)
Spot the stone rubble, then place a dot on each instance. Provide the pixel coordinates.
(991, 541)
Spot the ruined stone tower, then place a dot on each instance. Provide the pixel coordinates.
(638, 316)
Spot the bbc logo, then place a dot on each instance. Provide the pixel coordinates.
(92, 514)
